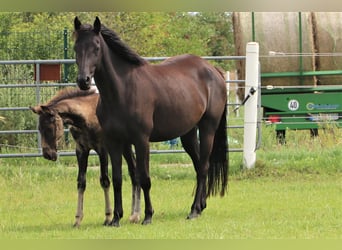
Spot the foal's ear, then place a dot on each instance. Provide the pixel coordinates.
(97, 25)
(77, 23)
(46, 110)
(37, 110)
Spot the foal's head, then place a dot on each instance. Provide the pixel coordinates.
(51, 130)
(88, 51)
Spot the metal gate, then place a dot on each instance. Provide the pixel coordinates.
(42, 80)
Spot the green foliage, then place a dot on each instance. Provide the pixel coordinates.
(149, 33)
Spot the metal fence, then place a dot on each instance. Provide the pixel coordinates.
(32, 45)
(19, 136)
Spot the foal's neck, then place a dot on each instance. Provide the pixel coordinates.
(71, 115)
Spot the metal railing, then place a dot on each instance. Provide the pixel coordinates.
(37, 85)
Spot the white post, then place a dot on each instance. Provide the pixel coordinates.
(251, 111)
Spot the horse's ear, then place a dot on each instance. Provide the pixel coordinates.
(37, 110)
(97, 25)
(77, 23)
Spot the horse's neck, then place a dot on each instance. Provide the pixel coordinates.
(111, 78)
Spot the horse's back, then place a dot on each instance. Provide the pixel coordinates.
(186, 88)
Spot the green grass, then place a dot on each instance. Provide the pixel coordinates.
(293, 192)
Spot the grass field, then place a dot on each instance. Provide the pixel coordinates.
(293, 192)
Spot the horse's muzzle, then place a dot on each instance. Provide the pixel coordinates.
(83, 82)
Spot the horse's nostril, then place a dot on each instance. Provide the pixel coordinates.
(83, 82)
(79, 80)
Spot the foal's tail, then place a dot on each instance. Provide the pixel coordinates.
(218, 163)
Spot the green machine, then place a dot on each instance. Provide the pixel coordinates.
(302, 108)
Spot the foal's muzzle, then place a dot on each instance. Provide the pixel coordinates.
(83, 82)
(50, 154)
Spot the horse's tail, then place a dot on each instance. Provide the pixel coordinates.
(218, 162)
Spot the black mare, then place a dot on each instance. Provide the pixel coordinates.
(142, 103)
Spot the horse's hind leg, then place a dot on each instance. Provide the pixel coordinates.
(131, 163)
(206, 143)
(105, 184)
(82, 160)
(191, 146)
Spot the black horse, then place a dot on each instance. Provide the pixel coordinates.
(76, 108)
(141, 102)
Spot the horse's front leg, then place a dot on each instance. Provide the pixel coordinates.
(105, 184)
(82, 160)
(131, 163)
(143, 154)
(115, 152)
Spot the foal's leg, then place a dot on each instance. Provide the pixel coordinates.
(143, 154)
(191, 146)
(131, 163)
(105, 183)
(82, 160)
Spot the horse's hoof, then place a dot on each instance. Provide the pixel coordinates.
(193, 215)
(115, 223)
(147, 221)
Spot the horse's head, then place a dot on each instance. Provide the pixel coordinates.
(51, 130)
(88, 51)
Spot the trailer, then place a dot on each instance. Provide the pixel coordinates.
(302, 108)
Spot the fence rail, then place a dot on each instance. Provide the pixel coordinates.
(36, 88)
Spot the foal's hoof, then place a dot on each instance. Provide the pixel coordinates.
(134, 218)
(107, 223)
(76, 225)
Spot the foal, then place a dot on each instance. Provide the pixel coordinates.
(76, 108)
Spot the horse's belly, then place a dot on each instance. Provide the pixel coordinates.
(173, 126)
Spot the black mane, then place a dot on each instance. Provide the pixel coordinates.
(120, 48)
